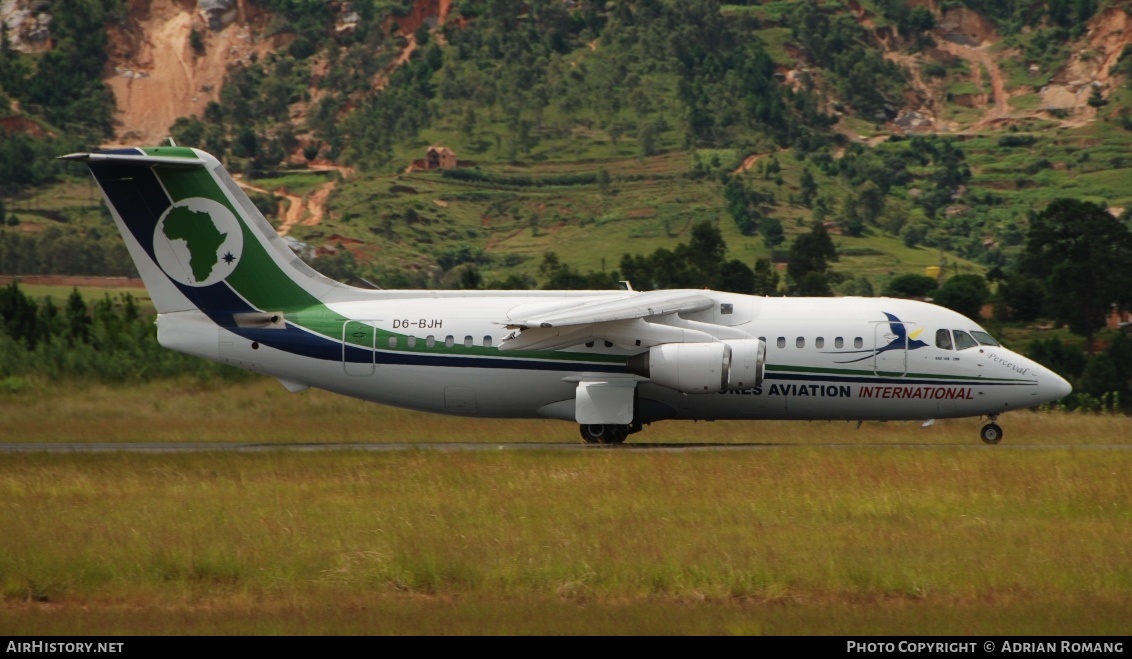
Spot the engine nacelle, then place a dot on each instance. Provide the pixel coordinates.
(748, 360)
(703, 368)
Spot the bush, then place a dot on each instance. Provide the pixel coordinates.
(109, 341)
(911, 286)
(1017, 140)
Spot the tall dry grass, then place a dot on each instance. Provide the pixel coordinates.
(261, 411)
(890, 529)
(780, 540)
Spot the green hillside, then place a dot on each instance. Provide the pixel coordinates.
(670, 142)
(594, 131)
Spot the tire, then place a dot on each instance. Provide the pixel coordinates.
(597, 433)
(991, 433)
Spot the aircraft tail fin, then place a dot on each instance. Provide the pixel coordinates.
(197, 239)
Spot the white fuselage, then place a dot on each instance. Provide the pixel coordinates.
(826, 358)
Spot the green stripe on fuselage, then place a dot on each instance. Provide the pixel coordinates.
(325, 322)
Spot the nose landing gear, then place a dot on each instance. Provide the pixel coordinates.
(991, 432)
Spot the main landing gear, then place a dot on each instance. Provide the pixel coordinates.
(607, 433)
(991, 433)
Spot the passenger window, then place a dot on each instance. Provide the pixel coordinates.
(468, 341)
(819, 343)
(858, 342)
(943, 339)
(430, 341)
(411, 341)
(984, 339)
(800, 342)
(839, 342)
(963, 340)
(725, 309)
(392, 342)
(762, 338)
(449, 341)
(487, 341)
(782, 342)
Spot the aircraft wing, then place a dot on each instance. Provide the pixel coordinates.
(621, 320)
(636, 305)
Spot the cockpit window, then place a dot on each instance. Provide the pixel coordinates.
(943, 339)
(963, 340)
(984, 339)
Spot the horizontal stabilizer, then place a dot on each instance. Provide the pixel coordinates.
(133, 159)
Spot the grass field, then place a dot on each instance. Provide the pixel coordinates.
(262, 411)
(890, 529)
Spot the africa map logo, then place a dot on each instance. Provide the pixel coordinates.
(198, 242)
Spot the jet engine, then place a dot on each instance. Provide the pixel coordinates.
(703, 368)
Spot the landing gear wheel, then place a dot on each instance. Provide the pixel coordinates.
(991, 433)
(597, 433)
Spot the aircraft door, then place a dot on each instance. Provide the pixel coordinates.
(891, 355)
(358, 341)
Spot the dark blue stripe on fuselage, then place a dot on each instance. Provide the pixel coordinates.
(881, 379)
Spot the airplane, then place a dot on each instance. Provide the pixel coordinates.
(228, 288)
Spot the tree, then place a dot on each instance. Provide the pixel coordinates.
(18, 315)
(855, 286)
(1096, 98)
(1079, 252)
(870, 201)
(561, 276)
(1020, 299)
(699, 263)
(188, 131)
(603, 180)
(78, 322)
(808, 269)
(808, 187)
(771, 228)
(196, 42)
(1066, 361)
(738, 201)
(964, 294)
(706, 249)
(736, 277)
(913, 234)
(766, 278)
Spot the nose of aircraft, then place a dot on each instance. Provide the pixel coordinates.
(1052, 386)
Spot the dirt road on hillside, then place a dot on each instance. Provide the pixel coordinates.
(982, 60)
(308, 211)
